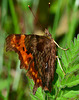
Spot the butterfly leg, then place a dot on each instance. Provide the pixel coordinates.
(59, 46)
(60, 65)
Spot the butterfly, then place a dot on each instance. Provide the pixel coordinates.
(37, 55)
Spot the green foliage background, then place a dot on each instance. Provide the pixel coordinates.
(62, 20)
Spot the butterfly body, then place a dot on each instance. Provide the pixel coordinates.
(37, 55)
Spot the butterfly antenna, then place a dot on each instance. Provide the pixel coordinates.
(49, 4)
(32, 11)
(34, 15)
(60, 65)
(59, 46)
(48, 11)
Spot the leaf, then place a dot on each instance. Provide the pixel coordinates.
(71, 94)
(70, 64)
(70, 80)
(70, 58)
(61, 98)
(68, 95)
(39, 95)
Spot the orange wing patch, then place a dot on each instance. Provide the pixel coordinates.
(17, 43)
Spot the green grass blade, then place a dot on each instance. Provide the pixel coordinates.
(14, 17)
(2, 39)
(4, 9)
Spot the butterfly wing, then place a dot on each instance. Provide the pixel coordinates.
(43, 50)
(24, 48)
(17, 43)
(37, 55)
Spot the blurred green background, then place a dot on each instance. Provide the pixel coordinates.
(62, 20)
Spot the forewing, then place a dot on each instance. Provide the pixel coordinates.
(17, 43)
(45, 61)
(44, 52)
(23, 45)
(37, 54)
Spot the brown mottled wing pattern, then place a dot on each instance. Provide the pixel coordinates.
(44, 52)
(37, 55)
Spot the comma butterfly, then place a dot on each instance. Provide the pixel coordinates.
(37, 55)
